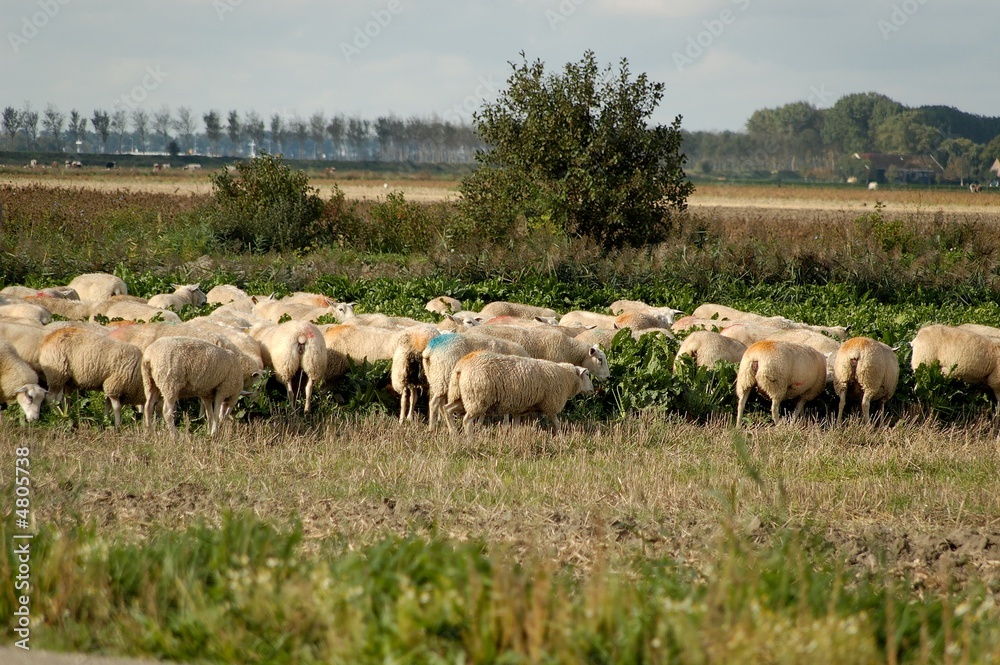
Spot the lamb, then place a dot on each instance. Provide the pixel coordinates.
(485, 383)
(407, 375)
(26, 311)
(622, 306)
(98, 286)
(780, 371)
(868, 366)
(444, 305)
(503, 308)
(18, 382)
(440, 357)
(293, 347)
(963, 355)
(184, 294)
(224, 294)
(78, 358)
(707, 348)
(548, 344)
(177, 367)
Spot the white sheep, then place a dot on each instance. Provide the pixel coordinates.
(18, 382)
(74, 357)
(97, 286)
(224, 294)
(25, 311)
(136, 311)
(60, 292)
(459, 321)
(622, 306)
(184, 294)
(275, 310)
(642, 321)
(963, 355)
(694, 323)
(979, 329)
(549, 344)
(728, 314)
(356, 344)
(582, 318)
(868, 366)
(443, 305)
(178, 367)
(504, 308)
(378, 320)
(707, 348)
(407, 373)
(780, 371)
(440, 357)
(290, 348)
(74, 310)
(494, 384)
(26, 340)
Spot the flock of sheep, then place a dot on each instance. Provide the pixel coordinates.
(509, 359)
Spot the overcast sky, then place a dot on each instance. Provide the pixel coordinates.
(720, 59)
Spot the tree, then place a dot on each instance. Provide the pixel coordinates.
(301, 132)
(77, 129)
(850, 123)
(140, 124)
(317, 132)
(904, 133)
(119, 125)
(235, 130)
(213, 130)
(277, 133)
(29, 123)
(52, 126)
(335, 129)
(575, 151)
(162, 124)
(255, 129)
(102, 125)
(358, 131)
(11, 121)
(185, 127)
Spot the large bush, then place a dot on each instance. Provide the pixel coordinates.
(263, 205)
(575, 151)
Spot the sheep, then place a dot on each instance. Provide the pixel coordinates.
(26, 311)
(26, 340)
(599, 336)
(381, 321)
(485, 383)
(642, 320)
(275, 310)
(98, 286)
(76, 310)
(622, 306)
(224, 294)
(18, 382)
(695, 323)
(177, 367)
(459, 322)
(134, 311)
(439, 359)
(780, 371)
(60, 292)
(289, 348)
(443, 305)
(979, 329)
(707, 348)
(184, 294)
(549, 344)
(75, 357)
(751, 333)
(723, 313)
(579, 318)
(963, 355)
(356, 344)
(407, 373)
(503, 308)
(868, 366)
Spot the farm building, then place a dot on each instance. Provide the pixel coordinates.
(918, 169)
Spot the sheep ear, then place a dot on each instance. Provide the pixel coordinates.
(582, 371)
(617, 327)
(594, 349)
(593, 327)
(22, 389)
(540, 319)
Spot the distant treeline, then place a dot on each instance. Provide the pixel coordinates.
(801, 140)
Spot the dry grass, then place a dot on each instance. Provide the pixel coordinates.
(647, 486)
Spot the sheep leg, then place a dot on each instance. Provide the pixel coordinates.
(433, 404)
(556, 425)
(840, 408)
(450, 411)
(866, 400)
(775, 409)
(116, 408)
(309, 392)
(414, 394)
(468, 420)
(169, 403)
(291, 393)
(404, 402)
(741, 406)
(800, 408)
(152, 400)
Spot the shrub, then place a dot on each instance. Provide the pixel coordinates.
(264, 206)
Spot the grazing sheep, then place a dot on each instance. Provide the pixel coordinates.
(75, 310)
(26, 340)
(732, 316)
(224, 294)
(622, 306)
(78, 358)
(313, 299)
(356, 344)
(979, 329)
(579, 318)
(292, 347)
(707, 348)
(444, 305)
(602, 337)
(503, 308)
(377, 320)
(867, 366)
(60, 292)
(459, 322)
(275, 310)
(780, 371)
(18, 382)
(485, 383)
(440, 357)
(549, 344)
(407, 374)
(694, 323)
(26, 311)
(963, 355)
(178, 367)
(135, 311)
(97, 286)
(642, 321)
(184, 294)
(751, 333)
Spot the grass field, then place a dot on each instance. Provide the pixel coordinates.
(654, 535)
